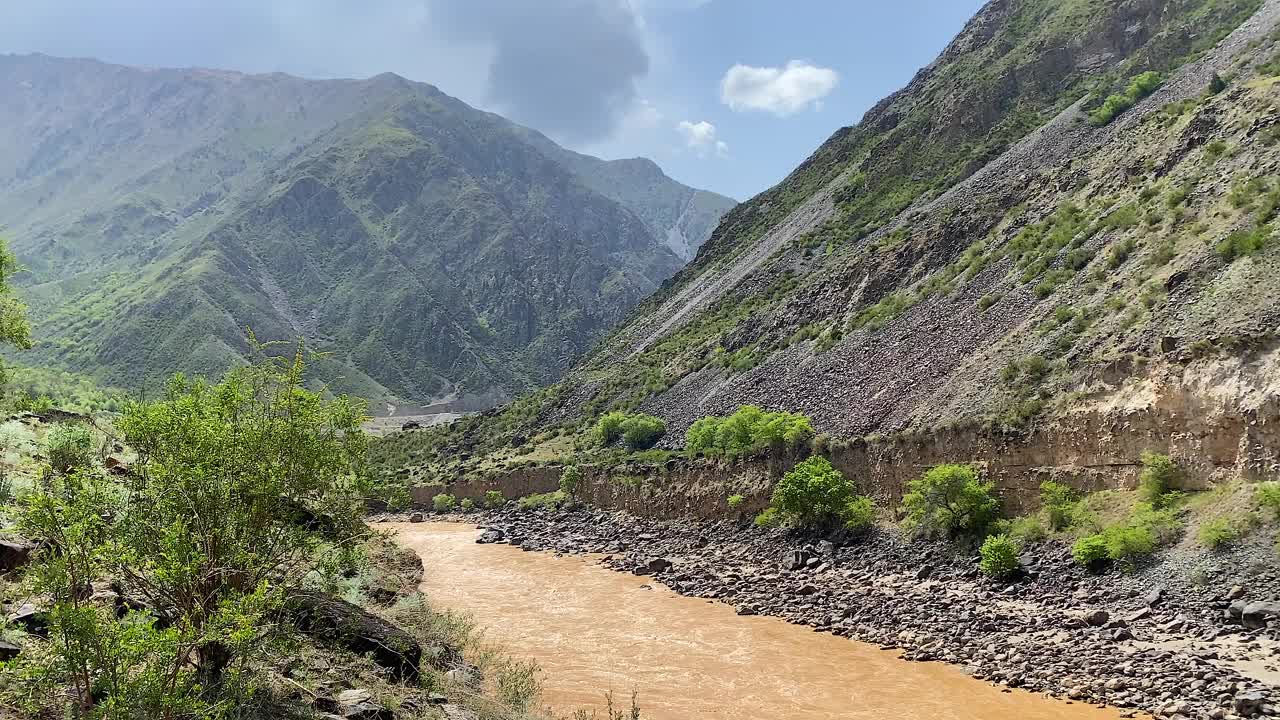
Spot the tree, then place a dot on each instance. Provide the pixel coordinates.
(15, 330)
(817, 495)
(950, 499)
(239, 490)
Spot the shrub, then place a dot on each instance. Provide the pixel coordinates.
(609, 428)
(443, 502)
(467, 505)
(69, 447)
(548, 501)
(641, 432)
(859, 515)
(749, 429)
(1060, 503)
(950, 499)
(1126, 544)
(1268, 497)
(570, 478)
(1141, 86)
(815, 494)
(770, 518)
(1090, 552)
(1027, 530)
(1218, 532)
(1243, 243)
(736, 501)
(1159, 474)
(998, 557)
(494, 499)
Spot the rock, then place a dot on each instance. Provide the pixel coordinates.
(1249, 704)
(1235, 593)
(745, 610)
(411, 425)
(1256, 614)
(337, 622)
(31, 620)
(490, 536)
(1154, 597)
(924, 573)
(794, 560)
(658, 565)
(1096, 618)
(465, 675)
(417, 517)
(15, 553)
(8, 651)
(457, 712)
(1121, 634)
(359, 705)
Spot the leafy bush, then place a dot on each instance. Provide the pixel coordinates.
(749, 429)
(859, 515)
(769, 518)
(467, 505)
(443, 502)
(1159, 474)
(1141, 86)
(1090, 552)
(814, 494)
(493, 499)
(609, 428)
(547, 501)
(736, 501)
(69, 447)
(1027, 530)
(1268, 497)
(570, 478)
(1243, 243)
(950, 499)
(1061, 504)
(1126, 544)
(1218, 532)
(998, 557)
(641, 432)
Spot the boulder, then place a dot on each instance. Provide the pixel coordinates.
(1256, 614)
(1154, 597)
(490, 536)
(15, 553)
(417, 517)
(1249, 704)
(658, 565)
(8, 651)
(1096, 618)
(360, 705)
(31, 620)
(339, 623)
(411, 425)
(794, 560)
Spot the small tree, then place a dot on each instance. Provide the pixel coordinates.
(570, 479)
(609, 428)
(950, 499)
(493, 499)
(69, 447)
(1159, 474)
(817, 495)
(15, 331)
(444, 502)
(1059, 502)
(641, 432)
(998, 557)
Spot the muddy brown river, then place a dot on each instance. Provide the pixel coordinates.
(593, 630)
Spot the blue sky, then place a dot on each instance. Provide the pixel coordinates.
(728, 95)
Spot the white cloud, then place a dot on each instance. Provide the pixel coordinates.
(781, 91)
(701, 137)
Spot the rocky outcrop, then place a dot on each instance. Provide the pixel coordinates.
(336, 622)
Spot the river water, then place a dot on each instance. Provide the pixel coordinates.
(593, 630)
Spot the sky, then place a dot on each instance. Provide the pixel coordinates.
(727, 95)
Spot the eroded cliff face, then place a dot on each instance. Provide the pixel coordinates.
(1219, 417)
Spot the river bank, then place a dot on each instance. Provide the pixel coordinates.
(1158, 640)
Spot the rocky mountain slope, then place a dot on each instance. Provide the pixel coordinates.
(438, 253)
(987, 248)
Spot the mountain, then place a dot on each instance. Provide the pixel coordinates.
(1062, 215)
(435, 252)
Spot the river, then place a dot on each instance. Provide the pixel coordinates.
(592, 630)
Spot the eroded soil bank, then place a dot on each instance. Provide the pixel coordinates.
(1150, 641)
(592, 630)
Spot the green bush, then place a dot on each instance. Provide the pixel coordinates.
(1159, 475)
(950, 499)
(1141, 86)
(570, 478)
(609, 428)
(641, 432)
(859, 515)
(1268, 497)
(1218, 532)
(1090, 552)
(998, 557)
(467, 505)
(1126, 544)
(493, 499)
(1027, 530)
(1061, 504)
(749, 429)
(547, 501)
(69, 447)
(443, 502)
(736, 501)
(1243, 243)
(814, 494)
(769, 518)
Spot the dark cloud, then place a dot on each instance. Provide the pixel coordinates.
(567, 67)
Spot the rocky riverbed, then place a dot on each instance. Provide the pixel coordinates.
(1179, 639)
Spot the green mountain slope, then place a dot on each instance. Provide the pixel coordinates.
(977, 251)
(437, 252)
